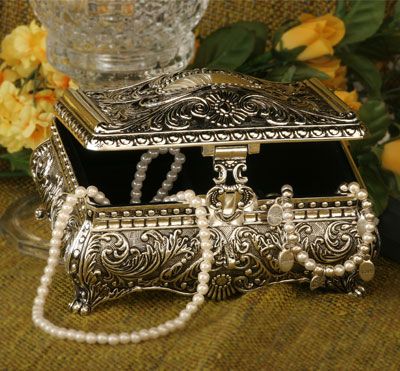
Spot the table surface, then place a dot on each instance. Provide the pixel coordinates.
(281, 327)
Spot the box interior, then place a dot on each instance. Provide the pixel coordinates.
(314, 169)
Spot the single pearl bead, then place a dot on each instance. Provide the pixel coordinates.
(205, 266)
(296, 249)
(357, 259)
(354, 188)
(287, 215)
(102, 338)
(55, 242)
(202, 288)
(70, 334)
(198, 299)
(206, 245)
(289, 228)
(310, 264)
(366, 204)
(362, 194)
(200, 211)
(185, 315)
(80, 336)
(192, 307)
(368, 238)
(203, 277)
(153, 333)
(80, 192)
(67, 208)
(204, 234)
(370, 217)
(162, 329)
(91, 338)
(100, 196)
(364, 249)
(61, 333)
(302, 256)
(208, 256)
(113, 339)
(329, 271)
(124, 338)
(349, 266)
(71, 199)
(178, 323)
(57, 233)
(319, 271)
(144, 334)
(292, 238)
(287, 205)
(176, 167)
(338, 270)
(196, 202)
(63, 216)
(370, 227)
(45, 280)
(181, 196)
(135, 338)
(202, 223)
(60, 224)
(189, 195)
(52, 261)
(42, 291)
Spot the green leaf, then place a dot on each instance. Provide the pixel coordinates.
(370, 169)
(380, 46)
(375, 116)
(365, 69)
(340, 8)
(260, 32)
(288, 75)
(289, 55)
(19, 162)
(304, 71)
(256, 64)
(226, 48)
(363, 20)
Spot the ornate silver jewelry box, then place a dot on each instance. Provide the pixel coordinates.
(243, 139)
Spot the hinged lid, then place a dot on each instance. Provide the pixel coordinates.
(200, 108)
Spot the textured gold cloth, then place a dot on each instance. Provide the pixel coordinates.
(281, 327)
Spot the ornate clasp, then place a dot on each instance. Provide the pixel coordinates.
(230, 197)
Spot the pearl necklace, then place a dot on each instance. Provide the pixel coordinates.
(141, 169)
(135, 336)
(366, 225)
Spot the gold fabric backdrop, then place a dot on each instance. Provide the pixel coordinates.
(280, 327)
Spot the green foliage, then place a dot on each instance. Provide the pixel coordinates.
(366, 71)
(230, 47)
(19, 163)
(362, 20)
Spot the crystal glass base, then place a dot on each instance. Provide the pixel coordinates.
(20, 228)
(104, 44)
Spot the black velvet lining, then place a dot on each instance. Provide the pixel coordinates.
(312, 168)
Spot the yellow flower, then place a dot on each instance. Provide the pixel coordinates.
(391, 156)
(24, 124)
(54, 78)
(24, 48)
(331, 66)
(317, 34)
(350, 98)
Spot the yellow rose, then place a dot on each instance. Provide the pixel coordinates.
(24, 48)
(331, 66)
(350, 98)
(391, 156)
(317, 34)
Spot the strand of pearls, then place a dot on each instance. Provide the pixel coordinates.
(135, 336)
(366, 226)
(167, 184)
